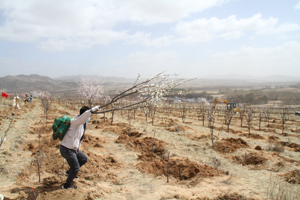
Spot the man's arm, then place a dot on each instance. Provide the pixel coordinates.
(82, 118)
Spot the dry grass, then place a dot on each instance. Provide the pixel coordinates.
(279, 190)
(275, 147)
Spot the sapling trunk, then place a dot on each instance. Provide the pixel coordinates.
(134, 111)
(35, 194)
(261, 115)
(39, 168)
(248, 117)
(3, 138)
(168, 168)
(153, 141)
(284, 118)
(112, 117)
(212, 137)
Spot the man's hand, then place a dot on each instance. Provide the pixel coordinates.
(96, 108)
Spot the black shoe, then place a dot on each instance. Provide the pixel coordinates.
(70, 186)
(67, 174)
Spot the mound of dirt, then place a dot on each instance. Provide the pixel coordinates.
(273, 138)
(112, 129)
(250, 159)
(153, 160)
(177, 128)
(252, 135)
(181, 169)
(168, 123)
(134, 134)
(295, 130)
(257, 148)
(93, 141)
(294, 146)
(235, 131)
(119, 128)
(231, 196)
(230, 145)
(145, 145)
(292, 177)
(52, 180)
(257, 136)
(198, 137)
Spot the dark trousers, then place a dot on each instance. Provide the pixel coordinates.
(75, 161)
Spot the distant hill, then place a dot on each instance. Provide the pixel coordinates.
(67, 84)
(107, 79)
(27, 83)
(274, 78)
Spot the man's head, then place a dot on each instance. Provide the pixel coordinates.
(83, 109)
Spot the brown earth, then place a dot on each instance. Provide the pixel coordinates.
(292, 177)
(127, 162)
(179, 168)
(230, 145)
(250, 159)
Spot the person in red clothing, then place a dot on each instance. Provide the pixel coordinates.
(70, 144)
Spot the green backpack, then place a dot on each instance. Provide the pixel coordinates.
(60, 127)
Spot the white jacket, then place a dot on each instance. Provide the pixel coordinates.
(72, 138)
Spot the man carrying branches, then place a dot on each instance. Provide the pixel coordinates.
(150, 91)
(70, 144)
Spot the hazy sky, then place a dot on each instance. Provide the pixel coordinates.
(193, 38)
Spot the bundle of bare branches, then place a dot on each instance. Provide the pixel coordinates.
(150, 90)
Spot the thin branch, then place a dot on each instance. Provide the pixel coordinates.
(2, 140)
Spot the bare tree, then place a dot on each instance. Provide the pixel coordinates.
(152, 108)
(261, 115)
(268, 115)
(4, 137)
(198, 110)
(248, 116)
(46, 102)
(211, 121)
(203, 114)
(169, 110)
(112, 117)
(242, 114)
(134, 113)
(284, 117)
(228, 117)
(183, 110)
(146, 111)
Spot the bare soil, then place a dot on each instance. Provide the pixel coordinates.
(133, 159)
